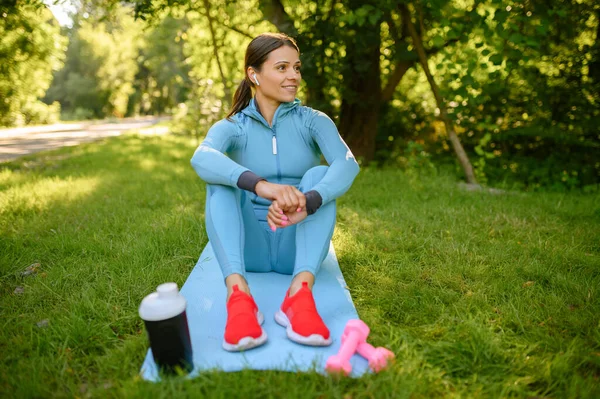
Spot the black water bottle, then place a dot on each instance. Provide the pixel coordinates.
(164, 315)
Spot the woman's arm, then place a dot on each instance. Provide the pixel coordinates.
(343, 168)
(214, 167)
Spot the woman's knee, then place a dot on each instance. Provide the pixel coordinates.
(313, 176)
(220, 190)
(220, 194)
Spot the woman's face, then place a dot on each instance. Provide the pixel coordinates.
(280, 76)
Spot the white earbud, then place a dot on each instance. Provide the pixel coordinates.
(255, 80)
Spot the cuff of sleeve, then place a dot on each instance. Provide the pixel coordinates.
(313, 201)
(248, 180)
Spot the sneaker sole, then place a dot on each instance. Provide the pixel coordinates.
(248, 342)
(312, 340)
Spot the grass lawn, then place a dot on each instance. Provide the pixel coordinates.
(479, 295)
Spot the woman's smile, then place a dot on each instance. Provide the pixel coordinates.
(291, 88)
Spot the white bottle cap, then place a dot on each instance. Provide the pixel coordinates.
(163, 304)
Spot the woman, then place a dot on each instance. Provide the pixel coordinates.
(270, 206)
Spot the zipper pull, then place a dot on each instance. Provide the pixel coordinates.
(274, 145)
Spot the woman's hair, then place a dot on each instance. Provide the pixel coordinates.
(256, 54)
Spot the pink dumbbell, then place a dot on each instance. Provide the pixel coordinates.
(356, 331)
(378, 357)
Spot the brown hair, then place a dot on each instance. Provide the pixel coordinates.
(256, 54)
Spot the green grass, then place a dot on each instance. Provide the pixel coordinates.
(479, 295)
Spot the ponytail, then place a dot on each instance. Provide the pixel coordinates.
(241, 98)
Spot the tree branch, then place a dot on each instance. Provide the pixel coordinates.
(241, 32)
(403, 65)
(456, 144)
(216, 49)
(401, 68)
(274, 12)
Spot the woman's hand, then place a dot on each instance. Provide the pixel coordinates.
(289, 198)
(278, 218)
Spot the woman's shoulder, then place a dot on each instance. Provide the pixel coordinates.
(310, 116)
(227, 125)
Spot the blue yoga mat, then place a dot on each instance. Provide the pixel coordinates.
(205, 293)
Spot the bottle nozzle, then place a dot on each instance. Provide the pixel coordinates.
(167, 290)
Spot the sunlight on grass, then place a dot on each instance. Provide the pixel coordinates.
(344, 241)
(8, 176)
(42, 194)
(148, 164)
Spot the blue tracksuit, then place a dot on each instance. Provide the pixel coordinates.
(288, 152)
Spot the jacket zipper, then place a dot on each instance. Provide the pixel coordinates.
(274, 141)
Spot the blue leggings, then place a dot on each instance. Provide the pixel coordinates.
(243, 241)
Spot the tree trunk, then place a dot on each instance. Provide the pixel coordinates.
(458, 148)
(361, 93)
(274, 12)
(361, 101)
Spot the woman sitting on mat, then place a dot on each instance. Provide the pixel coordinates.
(270, 206)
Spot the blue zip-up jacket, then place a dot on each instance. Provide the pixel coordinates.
(281, 153)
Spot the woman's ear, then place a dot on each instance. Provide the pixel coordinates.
(252, 75)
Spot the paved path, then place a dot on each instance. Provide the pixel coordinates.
(26, 140)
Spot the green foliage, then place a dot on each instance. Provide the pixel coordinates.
(100, 67)
(416, 161)
(77, 86)
(30, 50)
(520, 79)
(365, 14)
(516, 84)
(163, 80)
(79, 114)
(483, 155)
(200, 112)
(37, 112)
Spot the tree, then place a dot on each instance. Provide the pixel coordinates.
(341, 56)
(163, 79)
(359, 30)
(514, 80)
(521, 92)
(458, 148)
(101, 65)
(31, 49)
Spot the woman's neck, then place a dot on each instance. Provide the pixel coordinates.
(266, 107)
